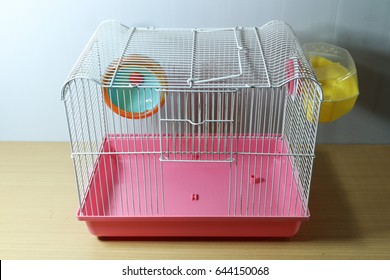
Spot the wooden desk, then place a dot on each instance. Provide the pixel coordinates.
(349, 204)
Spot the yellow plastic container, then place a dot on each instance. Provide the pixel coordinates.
(336, 71)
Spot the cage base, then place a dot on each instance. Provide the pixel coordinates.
(193, 226)
(139, 195)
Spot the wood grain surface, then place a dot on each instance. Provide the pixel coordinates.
(349, 205)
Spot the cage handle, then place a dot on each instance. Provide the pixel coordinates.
(191, 81)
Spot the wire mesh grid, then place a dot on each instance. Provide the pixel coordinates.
(235, 108)
(235, 57)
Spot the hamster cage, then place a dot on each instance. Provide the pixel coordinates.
(192, 132)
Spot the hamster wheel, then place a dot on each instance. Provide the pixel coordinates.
(140, 99)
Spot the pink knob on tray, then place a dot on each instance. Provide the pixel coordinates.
(136, 78)
(256, 180)
(195, 157)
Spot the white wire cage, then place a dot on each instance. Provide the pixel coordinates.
(192, 132)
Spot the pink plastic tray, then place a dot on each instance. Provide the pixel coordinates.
(139, 195)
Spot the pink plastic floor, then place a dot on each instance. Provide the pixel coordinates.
(130, 185)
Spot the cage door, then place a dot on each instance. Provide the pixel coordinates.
(216, 56)
(197, 126)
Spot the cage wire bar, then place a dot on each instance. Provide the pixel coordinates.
(234, 119)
